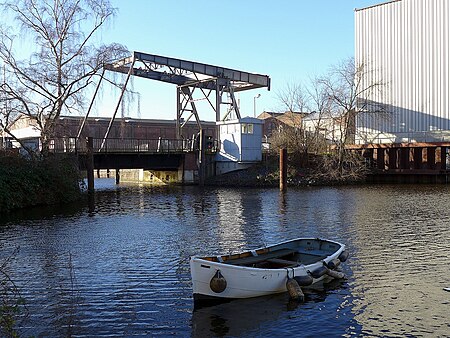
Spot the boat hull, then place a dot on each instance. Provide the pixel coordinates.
(247, 282)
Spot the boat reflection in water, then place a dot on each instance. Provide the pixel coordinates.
(241, 316)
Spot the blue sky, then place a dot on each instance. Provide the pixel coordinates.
(289, 40)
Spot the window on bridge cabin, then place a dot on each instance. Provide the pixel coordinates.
(247, 128)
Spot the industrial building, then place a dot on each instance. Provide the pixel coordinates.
(405, 45)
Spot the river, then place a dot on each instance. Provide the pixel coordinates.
(122, 269)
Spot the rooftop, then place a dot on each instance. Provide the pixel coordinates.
(377, 5)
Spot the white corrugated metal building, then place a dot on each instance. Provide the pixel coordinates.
(406, 44)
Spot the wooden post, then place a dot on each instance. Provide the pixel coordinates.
(117, 176)
(91, 202)
(392, 152)
(443, 158)
(431, 158)
(418, 157)
(283, 169)
(90, 164)
(381, 165)
(404, 157)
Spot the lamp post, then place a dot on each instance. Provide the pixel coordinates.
(254, 104)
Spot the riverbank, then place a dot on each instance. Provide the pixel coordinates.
(27, 183)
(266, 174)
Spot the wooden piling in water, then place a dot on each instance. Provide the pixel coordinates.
(117, 176)
(283, 169)
(90, 164)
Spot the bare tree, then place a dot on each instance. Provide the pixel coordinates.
(62, 62)
(293, 97)
(334, 101)
(289, 132)
(319, 120)
(307, 134)
(351, 88)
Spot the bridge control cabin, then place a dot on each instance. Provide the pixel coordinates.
(240, 144)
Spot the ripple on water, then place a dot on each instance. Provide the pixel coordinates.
(122, 270)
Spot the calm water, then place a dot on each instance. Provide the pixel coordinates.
(122, 270)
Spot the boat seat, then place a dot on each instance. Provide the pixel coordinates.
(261, 257)
(283, 262)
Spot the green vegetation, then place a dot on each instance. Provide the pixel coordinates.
(303, 170)
(12, 305)
(25, 183)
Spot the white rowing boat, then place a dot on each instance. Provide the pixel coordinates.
(266, 270)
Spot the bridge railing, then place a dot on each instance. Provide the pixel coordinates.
(119, 145)
(159, 145)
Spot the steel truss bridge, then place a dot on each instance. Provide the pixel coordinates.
(210, 82)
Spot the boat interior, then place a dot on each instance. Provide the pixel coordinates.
(289, 254)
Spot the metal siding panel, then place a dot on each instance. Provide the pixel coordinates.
(407, 43)
(446, 57)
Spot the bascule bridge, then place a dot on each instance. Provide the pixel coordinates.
(237, 138)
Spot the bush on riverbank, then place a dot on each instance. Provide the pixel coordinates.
(25, 183)
(302, 171)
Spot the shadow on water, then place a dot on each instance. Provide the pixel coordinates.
(45, 212)
(241, 316)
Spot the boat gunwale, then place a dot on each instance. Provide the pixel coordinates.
(224, 264)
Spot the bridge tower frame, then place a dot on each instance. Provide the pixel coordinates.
(189, 77)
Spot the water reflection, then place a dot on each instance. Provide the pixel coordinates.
(239, 217)
(129, 273)
(247, 317)
(402, 263)
(237, 317)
